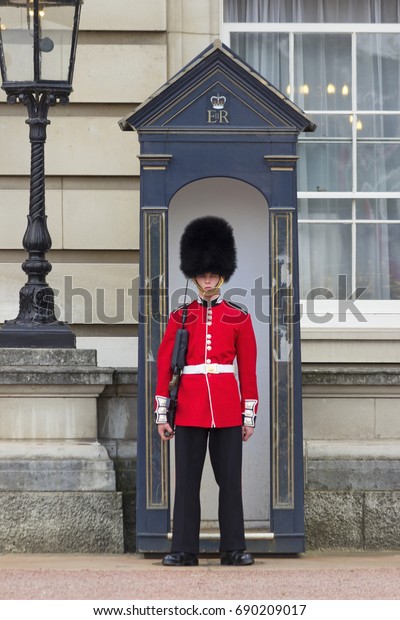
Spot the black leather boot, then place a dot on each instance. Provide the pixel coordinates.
(180, 558)
(236, 558)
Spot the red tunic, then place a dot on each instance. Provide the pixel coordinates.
(218, 333)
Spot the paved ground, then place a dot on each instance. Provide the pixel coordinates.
(312, 576)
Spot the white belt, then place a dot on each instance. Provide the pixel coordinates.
(203, 369)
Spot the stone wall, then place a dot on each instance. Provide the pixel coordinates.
(352, 456)
(117, 414)
(57, 483)
(60, 522)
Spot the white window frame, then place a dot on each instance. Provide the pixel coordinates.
(377, 313)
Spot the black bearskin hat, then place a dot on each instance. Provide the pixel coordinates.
(208, 245)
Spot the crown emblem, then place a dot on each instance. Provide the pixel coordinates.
(218, 102)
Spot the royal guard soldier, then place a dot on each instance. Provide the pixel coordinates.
(212, 407)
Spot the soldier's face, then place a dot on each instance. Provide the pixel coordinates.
(208, 282)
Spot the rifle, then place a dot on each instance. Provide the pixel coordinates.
(178, 361)
(177, 364)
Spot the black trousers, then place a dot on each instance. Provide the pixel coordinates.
(225, 447)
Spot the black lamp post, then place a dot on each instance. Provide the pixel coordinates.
(37, 56)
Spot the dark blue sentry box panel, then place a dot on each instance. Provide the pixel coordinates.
(219, 118)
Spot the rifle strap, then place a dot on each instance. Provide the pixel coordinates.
(184, 312)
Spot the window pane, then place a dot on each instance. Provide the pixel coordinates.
(17, 42)
(331, 126)
(57, 26)
(267, 53)
(331, 209)
(378, 209)
(378, 71)
(378, 126)
(336, 11)
(322, 71)
(378, 167)
(378, 260)
(325, 253)
(325, 167)
(259, 11)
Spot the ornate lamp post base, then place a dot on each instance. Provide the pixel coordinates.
(58, 335)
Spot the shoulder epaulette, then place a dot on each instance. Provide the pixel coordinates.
(181, 307)
(236, 306)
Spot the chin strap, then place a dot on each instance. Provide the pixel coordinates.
(213, 291)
